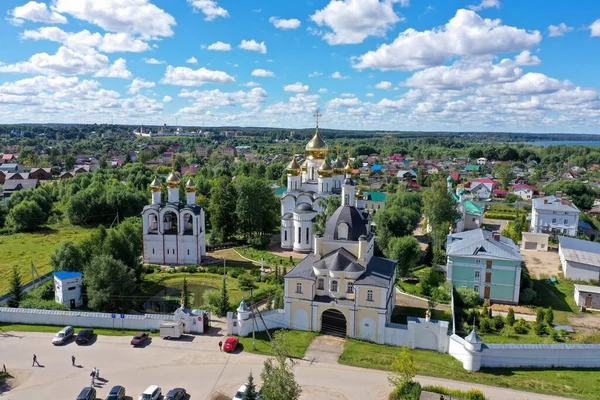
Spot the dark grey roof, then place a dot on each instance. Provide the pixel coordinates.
(357, 224)
(380, 271)
(303, 270)
(580, 251)
(480, 243)
(339, 260)
(196, 209)
(287, 216)
(13, 184)
(304, 207)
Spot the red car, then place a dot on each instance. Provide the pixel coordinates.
(230, 344)
(139, 339)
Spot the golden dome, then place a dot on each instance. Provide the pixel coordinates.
(325, 169)
(304, 166)
(316, 148)
(173, 180)
(156, 185)
(338, 166)
(360, 195)
(190, 186)
(293, 167)
(348, 167)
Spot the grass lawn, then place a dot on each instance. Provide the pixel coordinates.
(270, 258)
(400, 314)
(6, 327)
(21, 249)
(558, 296)
(577, 383)
(298, 342)
(408, 287)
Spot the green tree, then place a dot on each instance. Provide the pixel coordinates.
(402, 373)
(256, 207)
(16, 288)
(109, 284)
(510, 317)
(441, 211)
(539, 316)
(582, 193)
(67, 257)
(69, 162)
(246, 282)
(223, 304)
(279, 382)
(26, 216)
(250, 392)
(222, 210)
(504, 174)
(394, 221)
(406, 250)
(185, 295)
(549, 317)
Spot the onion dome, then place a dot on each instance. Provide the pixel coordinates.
(316, 148)
(173, 180)
(156, 185)
(190, 186)
(338, 166)
(304, 167)
(293, 167)
(360, 195)
(325, 169)
(348, 167)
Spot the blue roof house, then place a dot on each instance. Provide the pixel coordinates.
(67, 288)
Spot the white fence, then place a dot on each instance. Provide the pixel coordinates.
(241, 323)
(82, 319)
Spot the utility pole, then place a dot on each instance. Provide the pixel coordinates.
(253, 321)
(224, 269)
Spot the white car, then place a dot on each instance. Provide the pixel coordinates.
(63, 336)
(242, 389)
(151, 393)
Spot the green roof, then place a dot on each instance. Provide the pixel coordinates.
(473, 209)
(376, 196)
(472, 167)
(281, 191)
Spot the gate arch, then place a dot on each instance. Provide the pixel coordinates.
(334, 323)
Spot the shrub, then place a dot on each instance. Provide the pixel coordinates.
(150, 268)
(259, 242)
(555, 336)
(41, 304)
(407, 391)
(521, 327)
(485, 325)
(441, 294)
(236, 272)
(472, 394)
(527, 296)
(469, 297)
(510, 317)
(539, 329)
(170, 270)
(495, 215)
(192, 269)
(549, 317)
(181, 269)
(540, 314)
(498, 323)
(563, 333)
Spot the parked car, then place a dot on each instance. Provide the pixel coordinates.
(238, 395)
(176, 394)
(87, 393)
(63, 336)
(84, 336)
(230, 344)
(139, 339)
(116, 393)
(153, 392)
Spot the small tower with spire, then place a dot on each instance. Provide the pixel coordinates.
(156, 187)
(173, 184)
(325, 173)
(190, 192)
(293, 175)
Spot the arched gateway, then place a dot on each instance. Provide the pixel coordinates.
(333, 323)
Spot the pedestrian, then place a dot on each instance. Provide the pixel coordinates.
(3, 368)
(97, 372)
(220, 345)
(92, 384)
(73, 360)
(93, 374)
(35, 361)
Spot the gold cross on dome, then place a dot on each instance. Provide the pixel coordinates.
(317, 115)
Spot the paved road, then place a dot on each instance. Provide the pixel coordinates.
(196, 365)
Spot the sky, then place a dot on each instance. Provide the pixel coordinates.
(419, 65)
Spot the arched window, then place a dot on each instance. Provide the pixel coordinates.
(188, 224)
(334, 286)
(342, 231)
(170, 223)
(153, 223)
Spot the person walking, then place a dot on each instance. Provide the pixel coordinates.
(97, 372)
(35, 361)
(73, 361)
(220, 345)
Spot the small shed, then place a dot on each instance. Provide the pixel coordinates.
(580, 259)
(587, 296)
(194, 321)
(534, 241)
(67, 288)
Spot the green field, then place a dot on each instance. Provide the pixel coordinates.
(298, 342)
(577, 383)
(20, 249)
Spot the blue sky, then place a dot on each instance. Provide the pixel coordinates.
(481, 65)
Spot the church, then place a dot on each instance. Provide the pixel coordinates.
(173, 232)
(308, 185)
(341, 288)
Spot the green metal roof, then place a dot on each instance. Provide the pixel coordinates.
(472, 167)
(376, 196)
(473, 209)
(281, 191)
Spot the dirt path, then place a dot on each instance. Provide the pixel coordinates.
(541, 263)
(407, 300)
(325, 349)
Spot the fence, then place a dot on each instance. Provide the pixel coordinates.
(29, 286)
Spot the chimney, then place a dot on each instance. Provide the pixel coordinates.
(545, 201)
(563, 202)
(570, 203)
(496, 236)
(558, 194)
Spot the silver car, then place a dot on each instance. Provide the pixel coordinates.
(63, 336)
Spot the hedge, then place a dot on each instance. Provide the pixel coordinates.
(472, 394)
(494, 215)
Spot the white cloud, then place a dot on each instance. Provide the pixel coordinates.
(36, 12)
(253, 45)
(214, 99)
(595, 28)
(117, 70)
(209, 8)
(219, 46)
(263, 73)
(296, 88)
(348, 95)
(559, 30)
(192, 60)
(313, 74)
(285, 23)
(124, 16)
(370, 95)
(153, 61)
(84, 40)
(184, 76)
(343, 102)
(466, 34)
(323, 90)
(138, 84)
(337, 75)
(251, 84)
(385, 85)
(486, 4)
(167, 99)
(529, 84)
(352, 21)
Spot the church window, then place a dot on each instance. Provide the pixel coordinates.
(321, 284)
(347, 200)
(307, 236)
(298, 288)
(369, 295)
(167, 251)
(350, 288)
(342, 231)
(152, 223)
(285, 236)
(299, 234)
(188, 224)
(334, 286)
(152, 251)
(188, 252)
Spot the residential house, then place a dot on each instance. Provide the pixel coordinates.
(374, 201)
(192, 169)
(486, 262)
(587, 296)
(65, 175)
(167, 156)
(406, 175)
(483, 188)
(43, 174)
(481, 161)
(227, 151)
(9, 167)
(202, 151)
(19, 184)
(579, 259)
(525, 192)
(472, 168)
(9, 158)
(17, 176)
(554, 214)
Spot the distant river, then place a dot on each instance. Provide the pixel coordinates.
(542, 143)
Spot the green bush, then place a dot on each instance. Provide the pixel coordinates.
(527, 296)
(495, 215)
(41, 304)
(472, 394)
(192, 269)
(170, 270)
(259, 242)
(539, 329)
(236, 272)
(408, 391)
(521, 327)
(485, 325)
(510, 317)
(498, 323)
(469, 297)
(549, 317)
